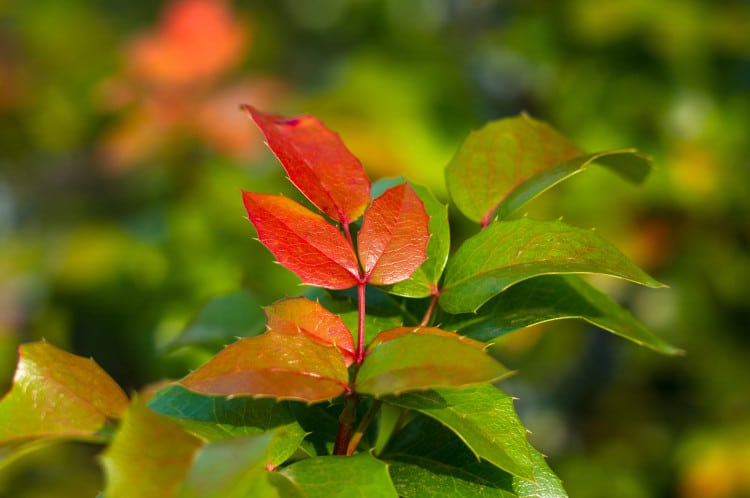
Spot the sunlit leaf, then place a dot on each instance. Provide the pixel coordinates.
(417, 361)
(554, 297)
(58, 394)
(149, 456)
(392, 242)
(221, 321)
(423, 282)
(318, 163)
(303, 316)
(220, 417)
(231, 468)
(358, 476)
(545, 483)
(394, 333)
(483, 417)
(627, 162)
(495, 159)
(303, 241)
(507, 252)
(273, 365)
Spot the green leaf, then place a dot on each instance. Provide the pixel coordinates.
(428, 460)
(221, 321)
(361, 475)
(422, 361)
(231, 468)
(149, 456)
(508, 252)
(57, 394)
(218, 417)
(495, 159)
(627, 162)
(545, 483)
(554, 297)
(273, 365)
(485, 420)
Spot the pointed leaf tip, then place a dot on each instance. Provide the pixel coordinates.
(303, 241)
(393, 240)
(317, 162)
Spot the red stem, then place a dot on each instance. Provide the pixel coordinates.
(431, 309)
(361, 325)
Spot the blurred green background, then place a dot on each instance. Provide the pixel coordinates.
(123, 152)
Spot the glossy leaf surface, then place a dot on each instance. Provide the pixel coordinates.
(218, 417)
(428, 459)
(483, 417)
(318, 163)
(422, 361)
(273, 365)
(231, 468)
(58, 394)
(627, 162)
(394, 333)
(423, 282)
(495, 159)
(545, 483)
(392, 242)
(554, 297)
(221, 321)
(357, 476)
(149, 456)
(303, 316)
(303, 241)
(508, 252)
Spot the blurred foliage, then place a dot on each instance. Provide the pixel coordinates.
(123, 156)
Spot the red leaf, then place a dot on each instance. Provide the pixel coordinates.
(274, 365)
(303, 241)
(393, 240)
(318, 163)
(302, 316)
(389, 335)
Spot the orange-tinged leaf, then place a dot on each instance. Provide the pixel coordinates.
(318, 163)
(393, 240)
(149, 456)
(301, 316)
(389, 335)
(58, 394)
(303, 241)
(273, 365)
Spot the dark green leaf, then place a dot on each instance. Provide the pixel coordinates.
(508, 252)
(424, 280)
(358, 476)
(219, 417)
(415, 361)
(484, 418)
(554, 297)
(221, 321)
(494, 160)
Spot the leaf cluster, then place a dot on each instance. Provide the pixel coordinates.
(380, 380)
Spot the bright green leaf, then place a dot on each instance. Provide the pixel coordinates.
(358, 476)
(545, 483)
(424, 280)
(627, 162)
(495, 159)
(221, 321)
(554, 297)
(219, 417)
(508, 252)
(273, 365)
(231, 468)
(149, 456)
(415, 361)
(484, 418)
(58, 394)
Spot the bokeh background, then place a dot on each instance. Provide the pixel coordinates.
(123, 152)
